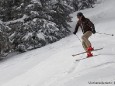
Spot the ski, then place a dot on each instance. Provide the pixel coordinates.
(86, 57)
(86, 52)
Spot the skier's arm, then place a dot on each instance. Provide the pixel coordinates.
(92, 26)
(76, 28)
(93, 29)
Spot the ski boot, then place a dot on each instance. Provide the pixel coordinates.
(89, 54)
(90, 49)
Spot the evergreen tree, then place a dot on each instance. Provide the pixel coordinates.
(30, 24)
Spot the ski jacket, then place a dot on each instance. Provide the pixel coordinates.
(85, 24)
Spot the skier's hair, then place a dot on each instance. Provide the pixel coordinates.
(80, 14)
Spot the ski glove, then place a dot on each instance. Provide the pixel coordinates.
(74, 33)
(93, 31)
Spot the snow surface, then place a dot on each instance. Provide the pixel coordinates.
(53, 65)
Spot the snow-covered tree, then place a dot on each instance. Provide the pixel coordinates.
(30, 24)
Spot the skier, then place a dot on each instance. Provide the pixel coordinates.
(87, 28)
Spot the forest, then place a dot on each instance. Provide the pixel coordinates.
(31, 24)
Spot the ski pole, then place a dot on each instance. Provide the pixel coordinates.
(105, 33)
(78, 38)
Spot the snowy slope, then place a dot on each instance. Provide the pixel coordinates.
(53, 65)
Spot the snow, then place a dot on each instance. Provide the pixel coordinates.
(18, 20)
(1, 22)
(34, 13)
(41, 36)
(53, 65)
(36, 1)
(28, 35)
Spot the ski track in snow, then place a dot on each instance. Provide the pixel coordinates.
(53, 65)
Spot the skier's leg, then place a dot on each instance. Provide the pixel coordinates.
(89, 54)
(85, 38)
(84, 46)
(87, 42)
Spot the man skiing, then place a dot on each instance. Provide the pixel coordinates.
(87, 28)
